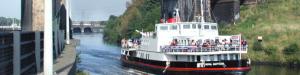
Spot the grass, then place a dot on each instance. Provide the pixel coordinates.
(80, 72)
(278, 21)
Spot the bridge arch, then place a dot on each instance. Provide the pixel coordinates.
(77, 30)
(87, 30)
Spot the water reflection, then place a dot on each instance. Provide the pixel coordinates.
(273, 70)
(99, 58)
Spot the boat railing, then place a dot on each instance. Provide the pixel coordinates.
(204, 49)
(134, 47)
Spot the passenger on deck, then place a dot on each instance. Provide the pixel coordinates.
(135, 43)
(223, 44)
(193, 43)
(129, 43)
(230, 44)
(212, 43)
(244, 44)
(123, 43)
(199, 42)
(139, 42)
(174, 42)
(226, 45)
(218, 44)
(206, 45)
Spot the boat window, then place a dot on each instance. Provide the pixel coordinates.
(198, 58)
(186, 26)
(206, 27)
(199, 26)
(211, 58)
(188, 58)
(213, 27)
(163, 27)
(193, 58)
(194, 26)
(173, 27)
(225, 57)
(219, 57)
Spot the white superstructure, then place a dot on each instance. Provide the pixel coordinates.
(157, 45)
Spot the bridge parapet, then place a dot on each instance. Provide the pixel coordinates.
(88, 26)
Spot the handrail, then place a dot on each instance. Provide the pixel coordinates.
(31, 46)
(202, 49)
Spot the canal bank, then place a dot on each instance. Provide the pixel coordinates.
(65, 64)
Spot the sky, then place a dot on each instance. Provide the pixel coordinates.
(10, 8)
(81, 9)
(96, 9)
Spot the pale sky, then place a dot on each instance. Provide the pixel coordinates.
(97, 9)
(10, 8)
(81, 9)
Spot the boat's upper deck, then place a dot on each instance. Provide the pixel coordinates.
(186, 29)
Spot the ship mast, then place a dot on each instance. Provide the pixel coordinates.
(177, 15)
(202, 13)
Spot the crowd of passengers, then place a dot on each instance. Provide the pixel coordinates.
(210, 44)
(130, 43)
(206, 45)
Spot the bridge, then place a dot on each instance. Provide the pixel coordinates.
(10, 27)
(88, 26)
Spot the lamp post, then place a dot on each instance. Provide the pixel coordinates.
(48, 38)
(67, 22)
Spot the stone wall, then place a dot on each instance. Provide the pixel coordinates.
(38, 15)
(221, 11)
(33, 14)
(225, 11)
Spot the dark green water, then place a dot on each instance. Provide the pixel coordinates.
(98, 58)
(273, 70)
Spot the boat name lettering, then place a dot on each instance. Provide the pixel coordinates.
(214, 64)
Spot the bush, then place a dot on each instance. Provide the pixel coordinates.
(270, 50)
(257, 46)
(291, 49)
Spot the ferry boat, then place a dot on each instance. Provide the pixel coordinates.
(187, 47)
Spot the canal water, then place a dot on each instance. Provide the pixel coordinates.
(98, 58)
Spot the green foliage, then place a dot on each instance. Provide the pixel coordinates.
(110, 30)
(249, 22)
(291, 49)
(140, 15)
(270, 50)
(292, 59)
(277, 21)
(8, 21)
(257, 46)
